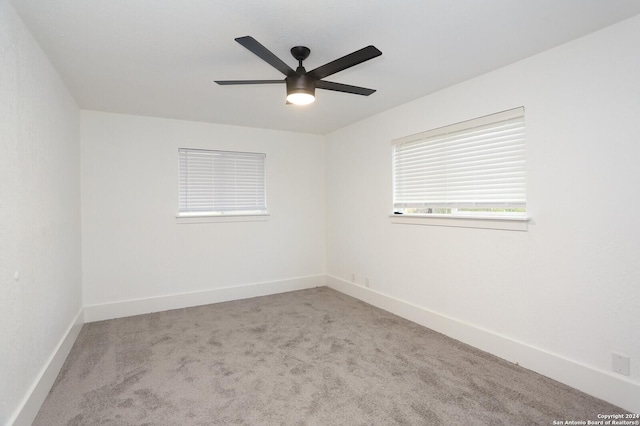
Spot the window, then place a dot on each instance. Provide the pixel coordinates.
(471, 169)
(221, 183)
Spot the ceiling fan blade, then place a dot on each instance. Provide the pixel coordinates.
(230, 82)
(346, 88)
(265, 54)
(345, 62)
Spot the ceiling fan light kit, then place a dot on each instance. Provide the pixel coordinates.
(301, 85)
(301, 89)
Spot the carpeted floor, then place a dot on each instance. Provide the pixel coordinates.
(312, 357)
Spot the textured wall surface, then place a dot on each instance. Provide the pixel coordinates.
(134, 249)
(39, 211)
(569, 285)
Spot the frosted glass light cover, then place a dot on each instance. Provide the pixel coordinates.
(300, 98)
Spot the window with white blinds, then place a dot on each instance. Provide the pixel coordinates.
(476, 167)
(221, 182)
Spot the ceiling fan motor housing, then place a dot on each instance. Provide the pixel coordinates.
(301, 83)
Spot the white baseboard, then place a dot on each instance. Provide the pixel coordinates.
(602, 384)
(31, 403)
(185, 300)
(608, 386)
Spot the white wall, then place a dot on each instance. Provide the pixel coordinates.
(39, 216)
(570, 286)
(133, 249)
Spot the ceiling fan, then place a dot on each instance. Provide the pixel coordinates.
(301, 84)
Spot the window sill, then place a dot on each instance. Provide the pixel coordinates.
(188, 219)
(501, 223)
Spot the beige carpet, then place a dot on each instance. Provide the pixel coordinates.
(315, 357)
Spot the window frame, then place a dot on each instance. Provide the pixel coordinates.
(226, 214)
(474, 218)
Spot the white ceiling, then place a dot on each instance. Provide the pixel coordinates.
(160, 57)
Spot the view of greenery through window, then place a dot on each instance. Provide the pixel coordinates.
(453, 211)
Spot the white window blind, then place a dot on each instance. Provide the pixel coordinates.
(476, 165)
(221, 182)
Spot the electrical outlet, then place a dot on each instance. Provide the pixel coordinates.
(367, 282)
(353, 277)
(620, 364)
